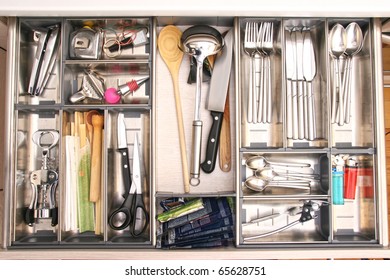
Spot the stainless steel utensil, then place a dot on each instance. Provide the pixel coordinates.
(45, 56)
(92, 87)
(291, 106)
(259, 162)
(300, 79)
(216, 100)
(260, 184)
(270, 174)
(250, 48)
(199, 41)
(354, 45)
(309, 72)
(267, 48)
(337, 45)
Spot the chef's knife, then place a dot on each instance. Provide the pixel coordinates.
(123, 149)
(309, 72)
(216, 101)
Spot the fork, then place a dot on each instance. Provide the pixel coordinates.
(267, 49)
(250, 49)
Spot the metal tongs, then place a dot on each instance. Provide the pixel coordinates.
(308, 211)
(45, 56)
(43, 181)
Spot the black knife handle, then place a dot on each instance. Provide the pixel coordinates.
(125, 166)
(212, 143)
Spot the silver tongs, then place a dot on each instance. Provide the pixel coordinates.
(308, 211)
(45, 56)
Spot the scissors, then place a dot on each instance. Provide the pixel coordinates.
(132, 212)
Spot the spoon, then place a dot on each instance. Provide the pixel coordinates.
(199, 41)
(260, 184)
(354, 45)
(337, 46)
(168, 44)
(259, 162)
(270, 174)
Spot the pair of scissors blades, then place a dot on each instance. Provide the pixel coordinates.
(132, 212)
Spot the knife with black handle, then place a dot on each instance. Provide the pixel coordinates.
(216, 101)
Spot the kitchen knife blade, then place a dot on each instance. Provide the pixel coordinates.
(309, 72)
(216, 101)
(123, 149)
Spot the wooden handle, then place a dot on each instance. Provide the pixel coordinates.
(96, 158)
(225, 154)
(182, 140)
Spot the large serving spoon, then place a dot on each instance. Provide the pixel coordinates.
(353, 46)
(168, 44)
(199, 41)
(337, 46)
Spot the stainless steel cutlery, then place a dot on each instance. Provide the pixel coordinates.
(301, 70)
(259, 45)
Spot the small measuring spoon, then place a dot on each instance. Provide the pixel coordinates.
(337, 46)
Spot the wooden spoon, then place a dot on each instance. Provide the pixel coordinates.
(168, 45)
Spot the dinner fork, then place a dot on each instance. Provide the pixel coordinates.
(250, 40)
(267, 48)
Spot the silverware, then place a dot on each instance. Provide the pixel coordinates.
(250, 48)
(267, 49)
(309, 72)
(300, 79)
(291, 106)
(337, 45)
(354, 45)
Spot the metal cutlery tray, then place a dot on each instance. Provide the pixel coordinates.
(150, 113)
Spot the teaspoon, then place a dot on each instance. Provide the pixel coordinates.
(260, 184)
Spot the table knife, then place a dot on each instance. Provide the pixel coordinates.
(290, 71)
(309, 72)
(216, 101)
(299, 50)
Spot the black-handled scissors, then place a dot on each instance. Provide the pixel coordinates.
(132, 212)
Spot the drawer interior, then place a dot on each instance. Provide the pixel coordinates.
(277, 169)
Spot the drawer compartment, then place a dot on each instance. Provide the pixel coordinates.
(282, 222)
(276, 174)
(37, 178)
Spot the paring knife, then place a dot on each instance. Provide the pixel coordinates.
(123, 149)
(309, 72)
(216, 101)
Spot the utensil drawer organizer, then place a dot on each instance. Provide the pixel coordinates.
(271, 217)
